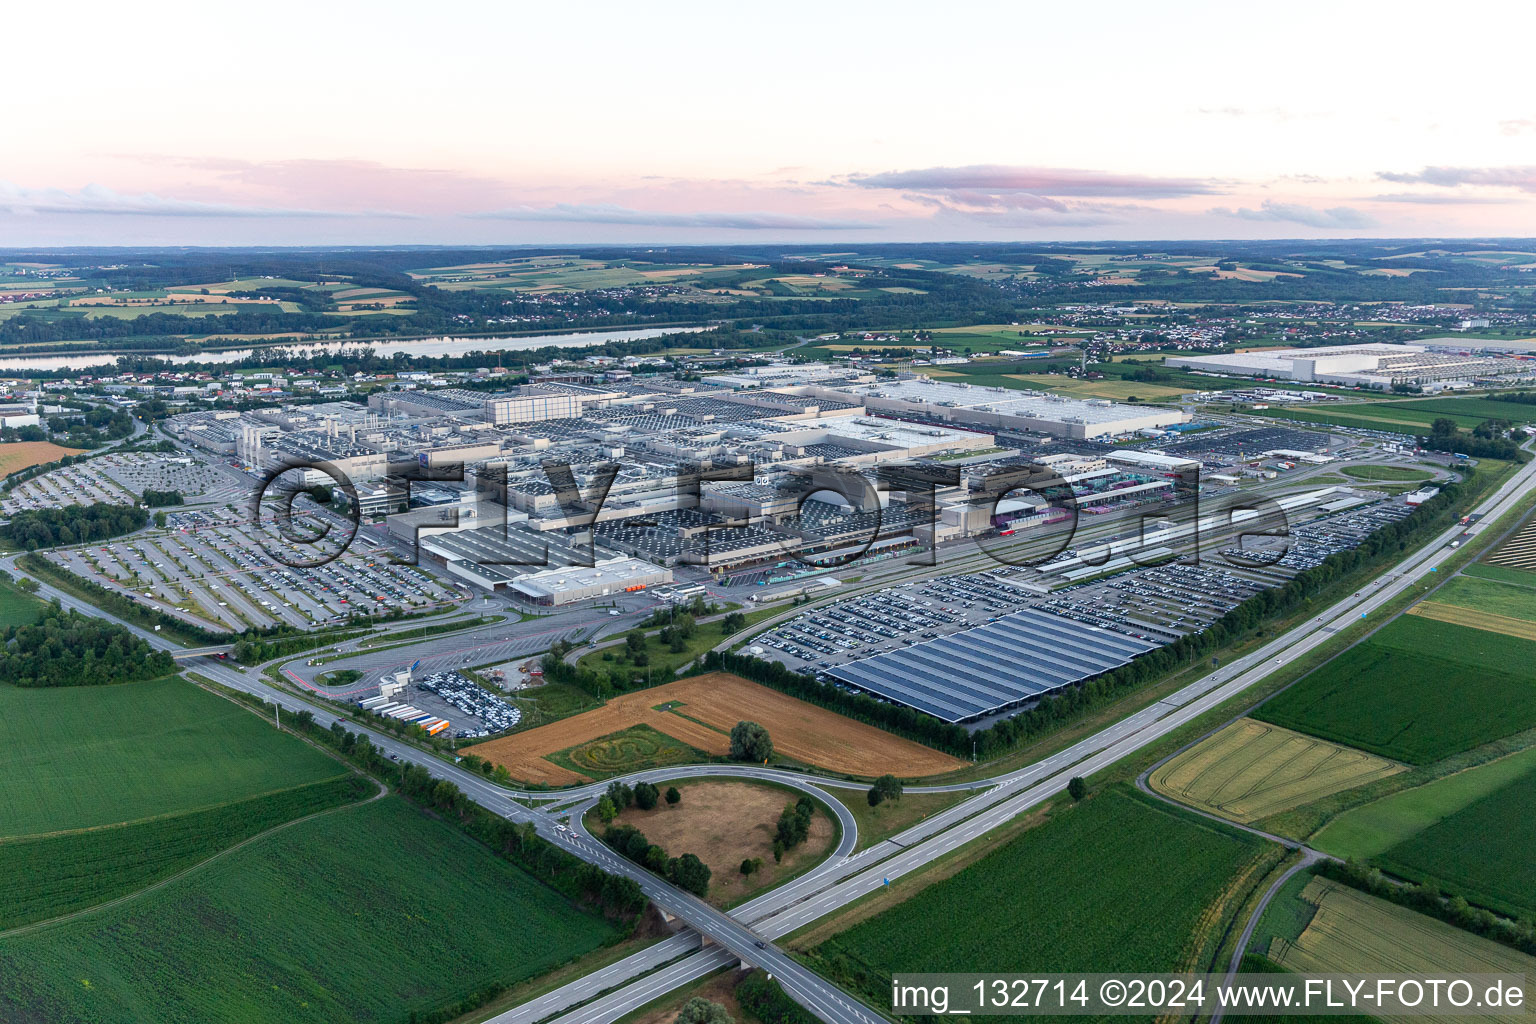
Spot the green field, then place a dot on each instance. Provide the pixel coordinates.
(373, 913)
(1486, 595)
(1483, 851)
(1373, 828)
(85, 756)
(1413, 416)
(1348, 931)
(1059, 898)
(1386, 473)
(1502, 573)
(49, 876)
(17, 608)
(1417, 690)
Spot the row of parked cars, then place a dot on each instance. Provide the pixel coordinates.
(495, 714)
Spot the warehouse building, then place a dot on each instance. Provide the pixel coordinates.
(613, 576)
(994, 409)
(1375, 365)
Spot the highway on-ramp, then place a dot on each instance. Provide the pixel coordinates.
(745, 933)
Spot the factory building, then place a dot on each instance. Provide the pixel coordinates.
(1376, 365)
(995, 409)
(568, 585)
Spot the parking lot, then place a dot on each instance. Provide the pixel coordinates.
(114, 479)
(1157, 603)
(208, 569)
(472, 710)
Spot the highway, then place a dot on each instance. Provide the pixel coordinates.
(843, 878)
(809, 898)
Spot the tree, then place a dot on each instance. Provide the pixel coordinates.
(795, 822)
(621, 795)
(606, 811)
(750, 865)
(778, 850)
(691, 873)
(874, 796)
(646, 796)
(733, 623)
(750, 742)
(701, 1011)
(888, 787)
(1444, 426)
(673, 796)
(1078, 787)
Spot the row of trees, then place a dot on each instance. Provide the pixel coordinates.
(685, 872)
(643, 795)
(163, 499)
(31, 529)
(1517, 933)
(69, 649)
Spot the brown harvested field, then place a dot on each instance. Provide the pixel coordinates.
(1475, 618)
(20, 454)
(713, 703)
(724, 823)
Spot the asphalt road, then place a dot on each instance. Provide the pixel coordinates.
(809, 898)
(842, 879)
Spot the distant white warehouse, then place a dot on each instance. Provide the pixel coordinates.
(1373, 365)
(996, 409)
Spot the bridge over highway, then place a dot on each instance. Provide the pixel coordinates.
(201, 652)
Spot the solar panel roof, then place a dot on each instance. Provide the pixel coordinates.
(981, 670)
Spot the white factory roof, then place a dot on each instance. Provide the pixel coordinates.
(618, 571)
(1008, 401)
(892, 432)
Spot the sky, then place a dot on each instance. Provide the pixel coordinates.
(167, 123)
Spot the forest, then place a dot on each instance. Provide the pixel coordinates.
(69, 649)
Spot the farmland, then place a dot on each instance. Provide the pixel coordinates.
(723, 824)
(17, 608)
(85, 756)
(1373, 828)
(111, 788)
(1424, 665)
(1405, 473)
(1116, 390)
(299, 927)
(53, 875)
(1471, 617)
(700, 711)
(1250, 770)
(1493, 596)
(1518, 554)
(19, 455)
(1179, 872)
(572, 273)
(634, 748)
(1482, 851)
(1352, 932)
(1412, 416)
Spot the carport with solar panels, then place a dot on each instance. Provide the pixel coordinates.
(984, 670)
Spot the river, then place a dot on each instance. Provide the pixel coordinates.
(416, 347)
